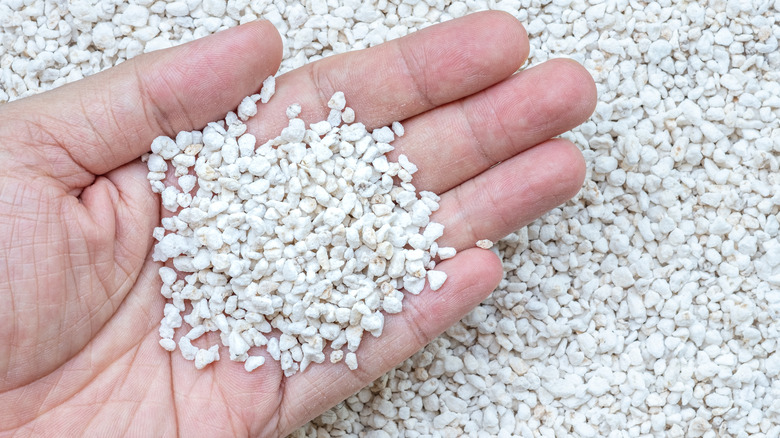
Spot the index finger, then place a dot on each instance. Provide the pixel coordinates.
(404, 77)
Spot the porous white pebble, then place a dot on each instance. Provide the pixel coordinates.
(446, 252)
(351, 360)
(253, 362)
(268, 89)
(484, 244)
(436, 279)
(168, 344)
(247, 108)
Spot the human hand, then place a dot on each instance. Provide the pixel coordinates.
(79, 351)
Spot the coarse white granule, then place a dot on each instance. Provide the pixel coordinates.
(268, 89)
(436, 279)
(484, 244)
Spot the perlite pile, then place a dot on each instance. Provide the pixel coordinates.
(682, 190)
(311, 236)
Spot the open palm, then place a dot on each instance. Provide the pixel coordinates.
(79, 351)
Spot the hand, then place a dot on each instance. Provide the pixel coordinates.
(81, 305)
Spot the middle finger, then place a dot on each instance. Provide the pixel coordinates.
(456, 142)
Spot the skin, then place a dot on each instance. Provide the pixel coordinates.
(79, 351)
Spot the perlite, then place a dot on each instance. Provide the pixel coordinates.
(308, 234)
(717, 117)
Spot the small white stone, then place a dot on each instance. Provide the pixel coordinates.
(188, 351)
(383, 135)
(337, 101)
(414, 285)
(135, 15)
(348, 115)
(398, 129)
(293, 111)
(724, 37)
(772, 365)
(165, 147)
(392, 305)
(719, 226)
(253, 362)
(446, 252)
(170, 246)
(605, 164)
(717, 401)
(238, 346)
(623, 277)
(334, 117)
(156, 163)
(565, 387)
(215, 8)
(177, 9)
(167, 275)
(731, 82)
(598, 386)
(247, 108)
(442, 420)
(432, 232)
(453, 364)
(351, 360)
(268, 89)
(211, 140)
(103, 36)
(205, 357)
(655, 345)
(711, 131)
(294, 131)
(168, 344)
(658, 50)
(321, 128)
(436, 279)
(619, 244)
(407, 165)
(373, 323)
(354, 335)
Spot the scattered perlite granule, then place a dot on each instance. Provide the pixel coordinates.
(308, 234)
(484, 244)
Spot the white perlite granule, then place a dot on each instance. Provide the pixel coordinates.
(308, 234)
(681, 193)
(484, 244)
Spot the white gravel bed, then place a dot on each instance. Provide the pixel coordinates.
(645, 306)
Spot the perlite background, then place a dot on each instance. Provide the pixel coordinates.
(647, 305)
